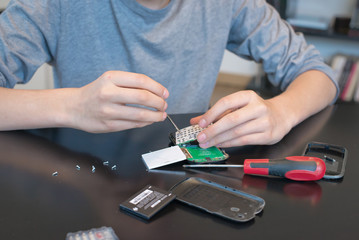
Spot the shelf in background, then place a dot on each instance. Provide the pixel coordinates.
(327, 34)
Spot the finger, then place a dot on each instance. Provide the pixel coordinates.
(135, 80)
(140, 97)
(195, 120)
(251, 139)
(247, 128)
(226, 123)
(131, 113)
(225, 105)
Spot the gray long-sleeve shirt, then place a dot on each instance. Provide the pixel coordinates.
(180, 46)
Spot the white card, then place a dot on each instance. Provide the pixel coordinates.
(163, 157)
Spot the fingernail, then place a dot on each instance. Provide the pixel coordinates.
(202, 123)
(164, 116)
(166, 105)
(201, 137)
(165, 94)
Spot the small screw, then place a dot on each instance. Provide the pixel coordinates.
(78, 167)
(55, 174)
(93, 168)
(329, 158)
(114, 167)
(105, 163)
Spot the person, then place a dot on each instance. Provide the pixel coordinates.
(122, 64)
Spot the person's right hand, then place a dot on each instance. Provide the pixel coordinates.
(103, 105)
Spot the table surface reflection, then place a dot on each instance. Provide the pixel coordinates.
(37, 205)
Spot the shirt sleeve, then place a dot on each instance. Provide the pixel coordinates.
(258, 33)
(28, 30)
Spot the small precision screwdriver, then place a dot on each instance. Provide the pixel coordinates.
(299, 168)
(173, 123)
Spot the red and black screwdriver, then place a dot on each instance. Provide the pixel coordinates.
(299, 168)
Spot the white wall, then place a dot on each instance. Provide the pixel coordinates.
(41, 80)
(3, 3)
(325, 8)
(233, 64)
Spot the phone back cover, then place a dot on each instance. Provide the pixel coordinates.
(218, 199)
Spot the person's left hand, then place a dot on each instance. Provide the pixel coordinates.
(242, 118)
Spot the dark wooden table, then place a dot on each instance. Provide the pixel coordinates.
(36, 205)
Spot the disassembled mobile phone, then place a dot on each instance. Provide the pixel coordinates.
(334, 157)
(185, 138)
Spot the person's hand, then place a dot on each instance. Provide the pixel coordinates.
(242, 118)
(116, 101)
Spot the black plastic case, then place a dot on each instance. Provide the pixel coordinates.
(335, 158)
(218, 200)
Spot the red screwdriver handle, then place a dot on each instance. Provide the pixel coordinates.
(299, 168)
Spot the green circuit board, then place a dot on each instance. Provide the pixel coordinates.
(194, 153)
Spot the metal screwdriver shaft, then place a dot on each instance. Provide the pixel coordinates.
(173, 123)
(211, 165)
